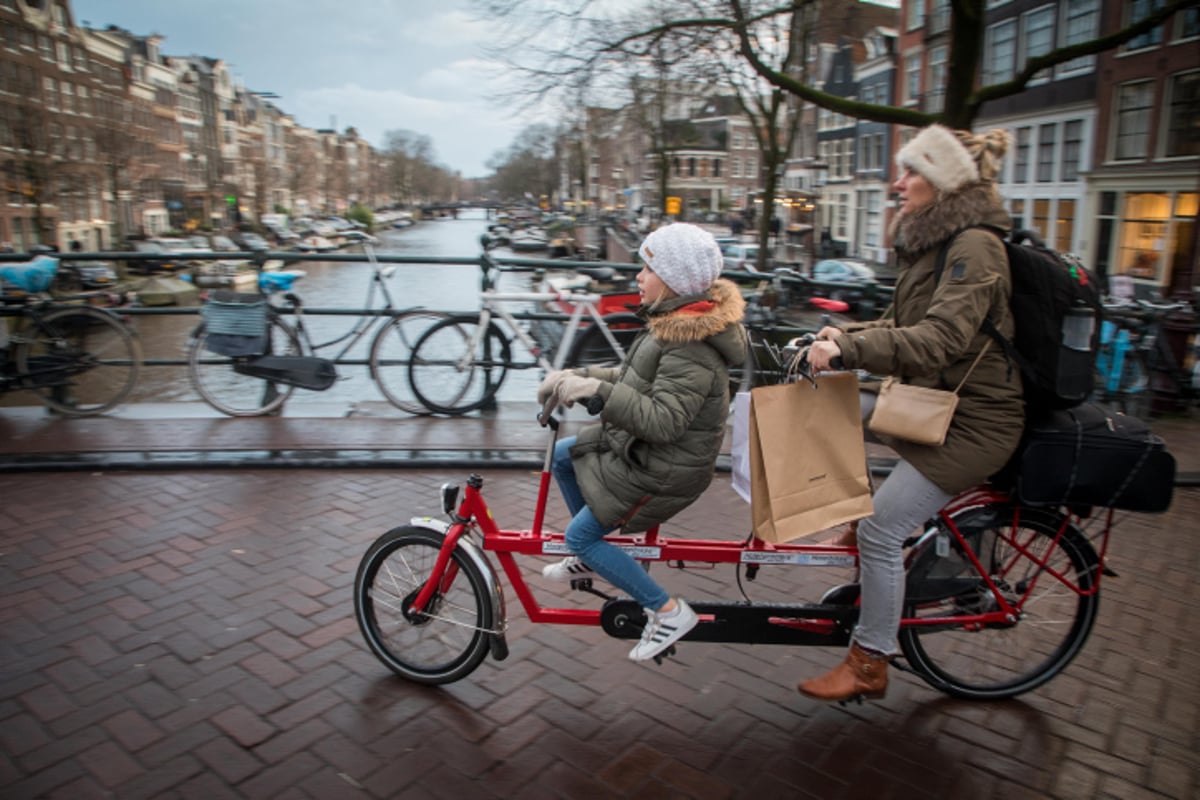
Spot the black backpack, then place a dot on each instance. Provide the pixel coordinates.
(1056, 310)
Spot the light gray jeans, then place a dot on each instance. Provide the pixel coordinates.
(903, 502)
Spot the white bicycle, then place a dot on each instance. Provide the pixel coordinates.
(459, 364)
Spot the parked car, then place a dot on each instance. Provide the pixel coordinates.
(74, 276)
(251, 241)
(740, 257)
(842, 271)
(165, 261)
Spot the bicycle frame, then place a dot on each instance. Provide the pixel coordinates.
(582, 305)
(473, 513)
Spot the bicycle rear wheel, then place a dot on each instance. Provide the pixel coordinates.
(1052, 584)
(447, 376)
(448, 639)
(216, 379)
(392, 350)
(592, 347)
(80, 361)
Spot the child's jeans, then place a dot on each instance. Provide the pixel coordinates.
(585, 538)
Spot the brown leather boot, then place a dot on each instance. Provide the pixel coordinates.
(846, 536)
(862, 673)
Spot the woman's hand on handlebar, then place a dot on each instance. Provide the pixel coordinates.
(829, 333)
(824, 355)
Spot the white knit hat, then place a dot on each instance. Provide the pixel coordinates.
(686, 257)
(938, 155)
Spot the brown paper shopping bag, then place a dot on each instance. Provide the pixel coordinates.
(808, 462)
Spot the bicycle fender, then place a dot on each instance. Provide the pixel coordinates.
(496, 641)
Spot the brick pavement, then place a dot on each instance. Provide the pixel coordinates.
(189, 633)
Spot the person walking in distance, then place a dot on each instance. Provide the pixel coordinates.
(663, 420)
(931, 337)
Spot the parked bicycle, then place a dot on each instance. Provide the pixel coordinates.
(79, 360)
(241, 378)
(460, 363)
(1135, 362)
(1000, 597)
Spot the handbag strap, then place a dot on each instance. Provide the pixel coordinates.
(974, 364)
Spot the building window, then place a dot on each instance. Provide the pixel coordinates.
(692, 167)
(1045, 169)
(735, 167)
(912, 78)
(1133, 119)
(1017, 212)
(1021, 162)
(999, 51)
(1080, 19)
(1039, 37)
(1140, 9)
(1183, 136)
(936, 96)
(1143, 232)
(939, 17)
(1064, 226)
(1041, 218)
(1188, 23)
(716, 167)
(914, 15)
(1072, 149)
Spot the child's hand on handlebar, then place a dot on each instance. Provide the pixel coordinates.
(575, 388)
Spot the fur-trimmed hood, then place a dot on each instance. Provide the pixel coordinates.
(713, 316)
(927, 227)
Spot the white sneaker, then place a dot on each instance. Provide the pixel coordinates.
(567, 570)
(664, 630)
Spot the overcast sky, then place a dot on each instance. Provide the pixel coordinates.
(377, 65)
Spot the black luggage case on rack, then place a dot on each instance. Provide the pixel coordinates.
(1090, 456)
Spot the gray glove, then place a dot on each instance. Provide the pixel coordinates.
(546, 391)
(547, 387)
(573, 388)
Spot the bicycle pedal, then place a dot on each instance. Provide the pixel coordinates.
(670, 651)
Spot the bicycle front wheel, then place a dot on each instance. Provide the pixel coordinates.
(445, 641)
(80, 361)
(392, 350)
(456, 367)
(592, 348)
(216, 379)
(1050, 579)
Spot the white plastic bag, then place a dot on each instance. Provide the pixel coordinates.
(739, 448)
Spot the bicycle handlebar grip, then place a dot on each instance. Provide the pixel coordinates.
(595, 404)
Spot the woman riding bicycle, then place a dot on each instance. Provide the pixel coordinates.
(662, 423)
(931, 337)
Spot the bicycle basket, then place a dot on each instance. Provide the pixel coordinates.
(236, 323)
(29, 276)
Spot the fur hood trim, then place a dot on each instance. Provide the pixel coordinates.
(691, 319)
(926, 228)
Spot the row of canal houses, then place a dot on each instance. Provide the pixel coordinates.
(1106, 155)
(102, 136)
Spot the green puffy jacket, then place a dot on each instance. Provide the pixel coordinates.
(664, 413)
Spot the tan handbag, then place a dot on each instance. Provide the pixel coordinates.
(916, 413)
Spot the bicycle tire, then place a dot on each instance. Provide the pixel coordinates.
(391, 353)
(440, 646)
(592, 348)
(216, 381)
(1134, 396)
(80, 361)
(436, 373)
(1000, 661)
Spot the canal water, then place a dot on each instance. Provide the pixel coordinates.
(344, 285)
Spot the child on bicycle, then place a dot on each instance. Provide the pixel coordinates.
(661, 427)
(931, 338)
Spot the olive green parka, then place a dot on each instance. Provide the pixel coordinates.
(665, 410)
(931, 335)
